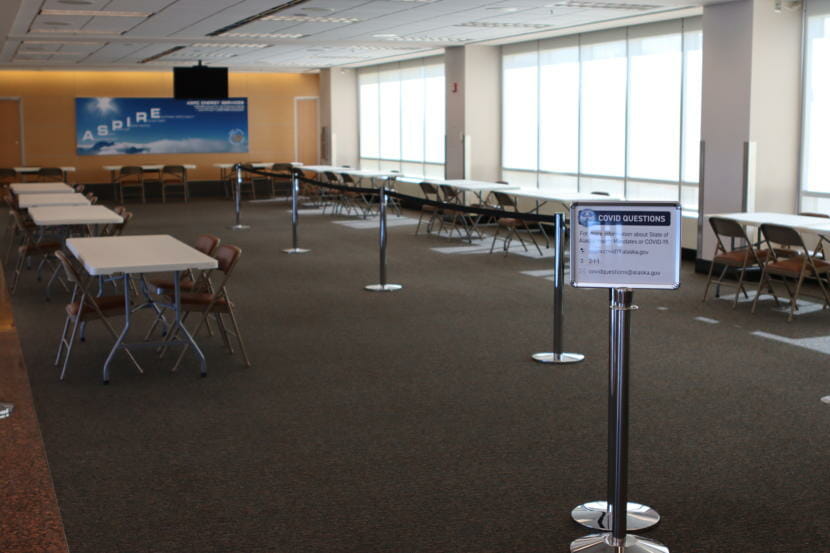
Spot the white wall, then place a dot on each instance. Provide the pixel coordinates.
(483, 111)
(339, 116)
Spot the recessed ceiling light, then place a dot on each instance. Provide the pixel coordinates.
(54, 53)
(386, 35)
(61, 42)
(95, 13)
(56, 23)
(425, 38)
(317, 10)
(264, 35)
(76, 31)
(76, 2)
(228, 45)
(499, 25)
(310, 19)
(601, 5)
(501, 9)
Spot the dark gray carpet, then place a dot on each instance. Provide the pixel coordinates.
(416, 421)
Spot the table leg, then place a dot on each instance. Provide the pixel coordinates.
(178, 325)
(120, 339)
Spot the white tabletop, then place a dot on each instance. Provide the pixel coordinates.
(258, 165)
(36, 200)
(475, 185)
(36, 169)
(801, 222)
(155, 253)
(144, 167)
(564, 197)
(41, 188)
(74, 215)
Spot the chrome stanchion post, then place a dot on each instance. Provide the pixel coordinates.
(238, 199)
(382, 286)
(295, 215)
(6, 410)
(557, 355)
(618, 540)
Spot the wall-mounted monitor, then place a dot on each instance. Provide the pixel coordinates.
(200, 82)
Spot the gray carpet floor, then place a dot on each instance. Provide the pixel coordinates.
(416, 421)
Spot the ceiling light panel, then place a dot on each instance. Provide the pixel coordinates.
(603, 5)
(502, 25)
(227, 45)
(264, 35)
(310, 19)
(94, 13)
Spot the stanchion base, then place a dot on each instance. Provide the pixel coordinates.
(239, 227)
(383, 287)
(594, 515)
(605, 543)
(6, 410)
(296, 250)
(558, 358)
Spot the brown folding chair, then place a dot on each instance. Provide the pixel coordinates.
(280, 178)
(796, 267)
(29, 248)
(131, 177)
(216, 302)
(430, 192)
(174, 176)
(50, 174)
(511, 225)
(82, 308)
(742, 258)
(455, 218)
(361, 202)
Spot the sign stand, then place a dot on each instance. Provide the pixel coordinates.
(557, 356)
(618, 540)
(238, 199)
(382, 286)
(295, 216)
(622, 246)
(6, 410)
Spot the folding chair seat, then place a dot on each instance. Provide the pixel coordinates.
(174, 176)
(430, 192)
(743, 258)
(216, 302)
(82, 308)
(796, 267)
(511, 225)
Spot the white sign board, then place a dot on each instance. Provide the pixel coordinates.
(625, 244)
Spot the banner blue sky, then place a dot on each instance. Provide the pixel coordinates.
(115, 126)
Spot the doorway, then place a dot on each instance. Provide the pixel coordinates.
(10, 139)
(306, 123)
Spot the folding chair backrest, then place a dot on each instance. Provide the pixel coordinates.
(177, 170)
(207, 243)
(131, 170)
(282, 167)
(331, 177)
(7, 173)
(347, 178)
(727, 228)
(813, 214)
(227, 255)
(428, 190)
(50, 172)
(69, 270)
(451, 193)
(118, 229)
(120, 209)
(504, 200)
(600, 193)
(785, 236)
(20, 224)
(79, 188)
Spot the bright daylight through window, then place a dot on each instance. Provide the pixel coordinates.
(402, 117)
(616, 111)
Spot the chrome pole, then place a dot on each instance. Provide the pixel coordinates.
(238, 199)
(557, 355)
(295, 215)
(383, 286)
(618, 540)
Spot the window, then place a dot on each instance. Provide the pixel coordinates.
(615, 110)
(815, 163)
(402, 117)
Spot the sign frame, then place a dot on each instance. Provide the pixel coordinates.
(600, 261)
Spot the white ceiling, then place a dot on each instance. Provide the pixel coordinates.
(285, 35)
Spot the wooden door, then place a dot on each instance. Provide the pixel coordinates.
(308, 152)
(10, 137)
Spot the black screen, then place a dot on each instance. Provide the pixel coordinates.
(200, 82)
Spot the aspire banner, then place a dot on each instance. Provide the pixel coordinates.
(117, 126)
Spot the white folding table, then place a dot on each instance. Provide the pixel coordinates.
(41, 188)
(59, 215)
(40, 200)
(122, 256)
(565, 199)
(30, 170)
